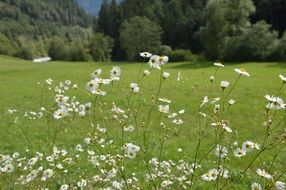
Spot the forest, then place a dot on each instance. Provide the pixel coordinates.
(238, 30)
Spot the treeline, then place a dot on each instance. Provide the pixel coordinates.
(236, 30)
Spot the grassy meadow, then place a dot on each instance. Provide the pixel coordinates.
(21, 85)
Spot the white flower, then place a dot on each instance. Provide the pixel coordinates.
(204, 101)
(212, 78)
(178, 121)
(92, 86)
(211, 175)
(102, 81)
(82, 183)
(164, 108)
(163, 60)
(145, 54)
(154, 62)
(275, 103)
(221, 151)
(49, 81)
(215, 100)
(60, 113)
(99, 92)
(130, 128)
(242, 72)
(282, 78)
(218, 64)
(279, 185)
(166, 75)
(181, 112)
(231, 102)
(48, 173)
(224, 84)
(256, 186)
(96, 73)
(64, 187)
(239, 153)
(179, 76)
(117, 185)
(263, 173)
(165, 100)
(248, 146)
(131, 150)
(115, 73)
(146, 73)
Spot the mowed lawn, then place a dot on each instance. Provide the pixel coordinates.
(19, 89)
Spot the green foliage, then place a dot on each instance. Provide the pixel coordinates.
(100, 47)
(257, 42)
(180, 55)
(139, 34)
(6, 46)
(280, 52)
(223, 19)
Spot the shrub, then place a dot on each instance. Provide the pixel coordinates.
(180, 55)
(6, 46)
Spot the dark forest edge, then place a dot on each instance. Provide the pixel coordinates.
(186, 30)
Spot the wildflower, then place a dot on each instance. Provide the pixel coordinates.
(242, 72)
(146, 73)
(75, 87)
(115, 73)
(231, 102)
(117, 185)
(275, 103)
(49, 81)
(163, 60)
(218, 64)
(239, 152)
(221, 151)
(99, 92)
(178, 121)
(166, 183)
(82, 183)
(134, 88)
(166, 75)
(130, 128)
(211, 175)
(64, 187)
(131, 150)
(282, 78)
(256, 186)
(60, 113)
(224, 84)
(96, 73)
(165, 100)
(154, 62)
(215, 100)
(164, 108)
(279, 185)
(48, 173)
(102, 81)
(212, 78)
(145, 54)
(181, 112)
(204, 101)
(263, 173)
(179, 76)
(92, 86)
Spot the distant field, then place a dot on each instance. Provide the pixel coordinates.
(19, 90)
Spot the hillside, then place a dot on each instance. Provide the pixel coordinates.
(34, 18)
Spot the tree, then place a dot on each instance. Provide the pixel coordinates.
(139, 34)
(224, 19)
(100, 47)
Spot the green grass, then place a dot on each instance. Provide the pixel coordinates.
(19, 90)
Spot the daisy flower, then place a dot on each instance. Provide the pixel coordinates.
(263, 173)
(282, 78)
(242, 72)
(231, 102)
(96, 73)
(146, 73)
(239, 153)
(164, 108)
(115, 73)
(60, 113)
(163, 59)
(165, 100)
(211, 175)
(218, 64)
(154, 62)
(165, 75)
(279, 185)
(221, 151)
(256, 186)
(224, 84)
(145, 54)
